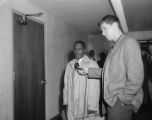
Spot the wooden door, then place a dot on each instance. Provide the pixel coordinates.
(29, 91)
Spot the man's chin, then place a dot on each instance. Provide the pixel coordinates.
(110, 40)
(107, 38)
(78, 57)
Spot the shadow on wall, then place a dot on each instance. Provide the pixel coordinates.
(61, 92)
(70, 57)
(99, 43)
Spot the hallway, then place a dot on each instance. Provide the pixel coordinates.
(65, 21)
(145, 113)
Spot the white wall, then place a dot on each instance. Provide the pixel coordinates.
(59, 38)
(141, 35)
(100, 44)
(60, 42)
(6, 68)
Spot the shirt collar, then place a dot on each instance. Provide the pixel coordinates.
(118, 40)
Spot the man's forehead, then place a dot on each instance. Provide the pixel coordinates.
(104, 25)
(78, 45)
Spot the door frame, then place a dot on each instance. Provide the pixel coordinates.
(14, 11)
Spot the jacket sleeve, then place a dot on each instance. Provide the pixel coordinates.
(93, 92)
(94, 73)
(65, 89)
(134, 71)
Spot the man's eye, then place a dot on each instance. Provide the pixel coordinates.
(103, 29)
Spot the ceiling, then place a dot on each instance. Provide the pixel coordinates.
(84, 14)
(138, 14)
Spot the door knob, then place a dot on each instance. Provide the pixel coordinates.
(43, 82)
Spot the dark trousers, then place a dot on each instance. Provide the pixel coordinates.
(120, 112)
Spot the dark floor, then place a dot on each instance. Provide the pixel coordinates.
(145, 113)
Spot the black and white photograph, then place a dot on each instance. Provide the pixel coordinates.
(75, 59)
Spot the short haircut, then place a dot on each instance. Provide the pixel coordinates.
(91, 51)
(80, 42)
(109, 19)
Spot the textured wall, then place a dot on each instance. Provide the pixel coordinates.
(99, 44)
(59, 37)
(59, 46)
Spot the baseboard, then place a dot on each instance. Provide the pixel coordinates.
(57, 117)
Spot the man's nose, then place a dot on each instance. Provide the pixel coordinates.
(103, 33)
(76, 52)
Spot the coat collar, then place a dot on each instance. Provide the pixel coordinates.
(84, 59)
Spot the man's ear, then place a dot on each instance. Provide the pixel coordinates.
(115, 25)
